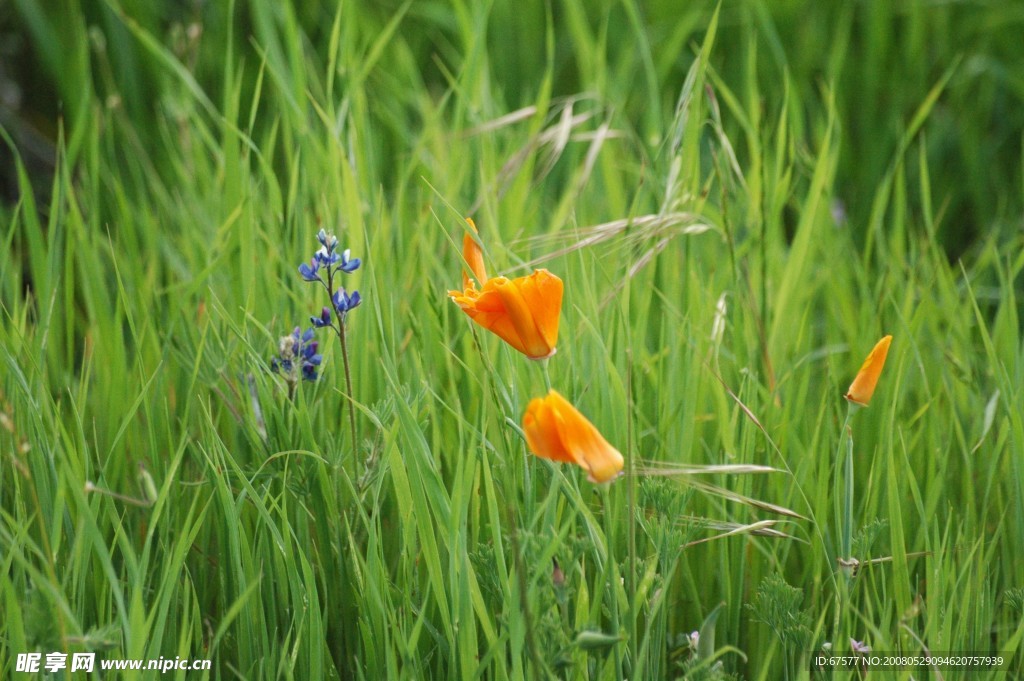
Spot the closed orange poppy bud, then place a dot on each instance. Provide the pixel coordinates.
(863, 386)
(524, 312)
(556, 430)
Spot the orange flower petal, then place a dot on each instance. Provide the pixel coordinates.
(863, 386)
(541, 426)
(487, 308)
(556, 430)
(543, 292)
(474, 257)
(522, 302)
(524, 312)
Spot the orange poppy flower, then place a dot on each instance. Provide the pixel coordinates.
(523, 312)
(863, 386)
(556, 430)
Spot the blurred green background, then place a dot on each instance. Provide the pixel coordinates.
(879, 59)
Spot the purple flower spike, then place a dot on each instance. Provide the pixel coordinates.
(297, 353)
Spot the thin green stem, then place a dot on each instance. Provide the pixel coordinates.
(844, 519)
(848, 514)
(343, 336)
(547, 376)
(609, 571)
(843, 494)
(631, 509)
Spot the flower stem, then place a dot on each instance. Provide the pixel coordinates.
(342, 335)
(848, 509)
(610, 573)
(844, 516)
(845, 513)
(547, 376)
(633, 644)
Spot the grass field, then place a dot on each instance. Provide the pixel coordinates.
(741, 200)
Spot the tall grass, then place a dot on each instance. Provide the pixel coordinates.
(738, 214)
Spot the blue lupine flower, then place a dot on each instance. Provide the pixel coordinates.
(294, 350)
(327, 256)
(303, 348)
(310, 272)
(297, 354)
(348, 264)
(343, 302)
(307, 351)
(309, 371)
(329, 241)
(323, 320)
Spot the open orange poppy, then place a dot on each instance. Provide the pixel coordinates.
(523, 312)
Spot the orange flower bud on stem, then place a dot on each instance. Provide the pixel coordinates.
(859, 395)
(863, 386)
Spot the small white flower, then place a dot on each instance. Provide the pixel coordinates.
(286, 347)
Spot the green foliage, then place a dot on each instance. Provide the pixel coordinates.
(864, 540)
(778, 605)
(740, 201)
(1015, 600)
